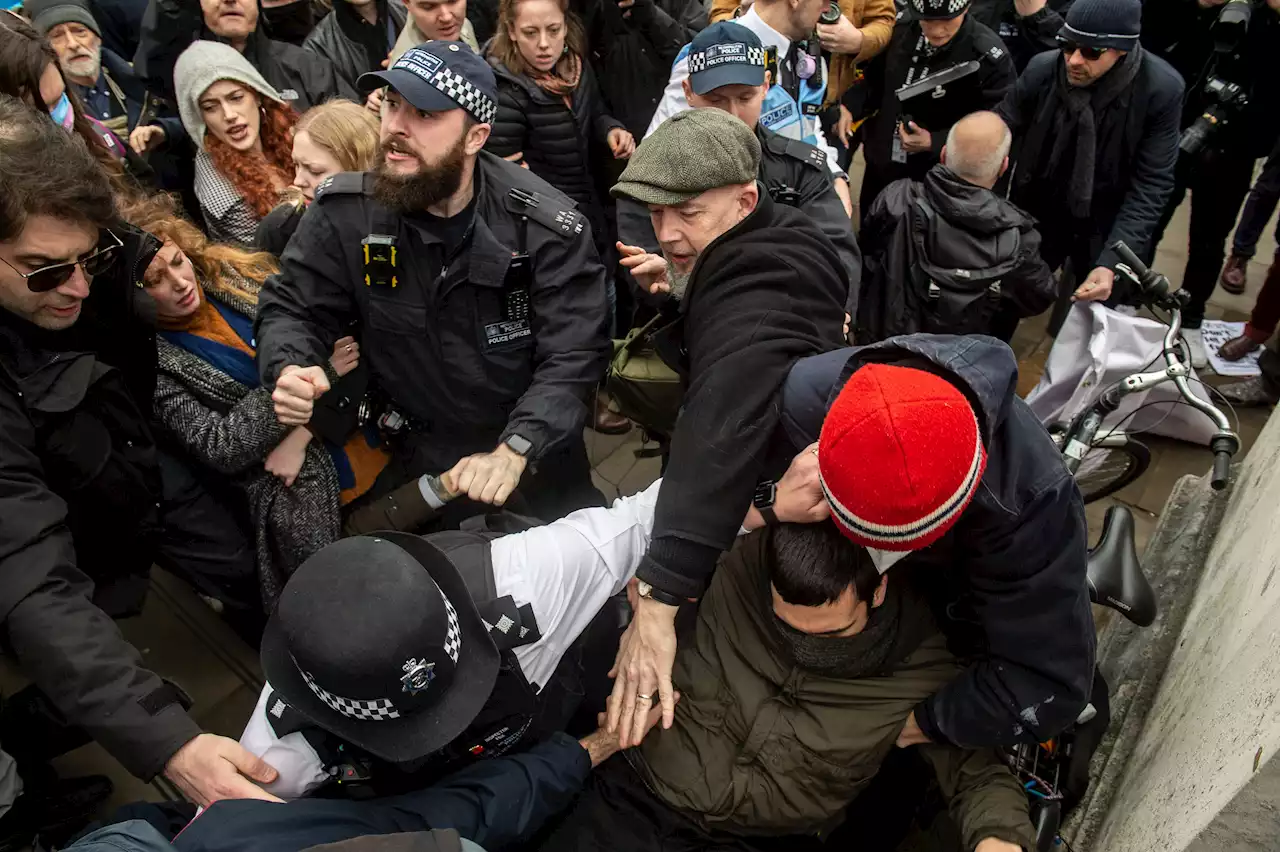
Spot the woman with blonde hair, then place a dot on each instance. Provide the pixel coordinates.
(244, 130)
(209, 398)
(338, 136)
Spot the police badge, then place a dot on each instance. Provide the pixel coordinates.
(417, 676)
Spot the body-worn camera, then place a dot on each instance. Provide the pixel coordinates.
(1226, 100)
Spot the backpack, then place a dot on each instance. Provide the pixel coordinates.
(924, 296)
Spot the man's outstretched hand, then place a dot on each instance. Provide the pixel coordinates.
(209, 768)
(602, 745)
(649, 270)
(296, 392)
(642, 670)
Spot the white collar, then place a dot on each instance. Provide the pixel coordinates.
(886, 559)
(769, 37)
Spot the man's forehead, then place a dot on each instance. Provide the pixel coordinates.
(56, 239)
(695, 203)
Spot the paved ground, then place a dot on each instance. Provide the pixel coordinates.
(182, 639)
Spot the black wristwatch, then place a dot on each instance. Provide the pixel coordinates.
(519, 445)
(766, 493)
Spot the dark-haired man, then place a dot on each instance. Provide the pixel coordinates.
(89, 501)
(477, 287)
(804, 660)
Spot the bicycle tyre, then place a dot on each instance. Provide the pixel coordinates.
(1122, 465)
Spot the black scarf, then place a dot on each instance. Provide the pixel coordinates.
(1075, 111)
(893, 631)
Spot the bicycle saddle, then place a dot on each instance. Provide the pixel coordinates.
(1115, 574)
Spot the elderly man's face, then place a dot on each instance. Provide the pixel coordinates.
(79, 51)
(685, 230)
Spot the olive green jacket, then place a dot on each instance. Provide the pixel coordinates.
(761, 747)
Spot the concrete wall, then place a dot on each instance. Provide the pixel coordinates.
(1215, 720)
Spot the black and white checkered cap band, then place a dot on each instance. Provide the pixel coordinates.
(453, 636)
(377, 710)
(939, 7)
(458, 88)
(717, 54)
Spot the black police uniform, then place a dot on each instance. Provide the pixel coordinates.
(516, 715)
(794, 173)
(1024, 36)
(500, 337)
(907, 60)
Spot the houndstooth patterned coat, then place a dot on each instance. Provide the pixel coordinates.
(232, 428)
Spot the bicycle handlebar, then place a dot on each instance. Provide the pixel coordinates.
(1221, 470)
(1154, 286)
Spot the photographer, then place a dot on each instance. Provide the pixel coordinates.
(1225, 51)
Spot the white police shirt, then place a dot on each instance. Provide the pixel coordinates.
(566, 570)
(780, 113)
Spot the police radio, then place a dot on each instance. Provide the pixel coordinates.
(379, 260)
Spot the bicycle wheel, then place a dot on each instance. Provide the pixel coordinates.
(1105, 470)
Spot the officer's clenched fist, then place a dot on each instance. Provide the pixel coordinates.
(296, 391)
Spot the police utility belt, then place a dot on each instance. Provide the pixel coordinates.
(380, 259)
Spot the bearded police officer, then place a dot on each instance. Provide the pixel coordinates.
(727, 63)
(934, 40)
(453, 646)
(479, 297)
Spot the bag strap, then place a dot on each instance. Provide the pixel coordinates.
(637, 335)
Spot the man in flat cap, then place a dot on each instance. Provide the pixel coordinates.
(753, 286)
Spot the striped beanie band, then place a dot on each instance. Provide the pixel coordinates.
(900, 457)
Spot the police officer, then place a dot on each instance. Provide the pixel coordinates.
(931, 37)
(453, 646)
(1026, 27)
(797, 76)
(476, 288)
(731, 76)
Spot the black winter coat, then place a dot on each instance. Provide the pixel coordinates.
(1009, 577)
(971, 228)
(1137, 151)
(634, 52)
(905, 62)
(80, 485)
(764, 294)
(561, 144)
(336, 39)
(304, 79)
(1025, 37)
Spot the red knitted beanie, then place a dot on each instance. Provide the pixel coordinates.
(900, 457)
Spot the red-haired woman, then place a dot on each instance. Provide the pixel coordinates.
(244, 131)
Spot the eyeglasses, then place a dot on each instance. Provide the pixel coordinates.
(1068, 47)
(52, 277)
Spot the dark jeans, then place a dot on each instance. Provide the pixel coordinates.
(1258, 208)
(617, 813)
(1218, 183)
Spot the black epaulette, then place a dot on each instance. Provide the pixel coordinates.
(284, 720)
(810, 155)
(343, 183)
(552, 214)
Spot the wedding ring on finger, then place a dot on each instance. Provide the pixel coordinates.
(644, 697)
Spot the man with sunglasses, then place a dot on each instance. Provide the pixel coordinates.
(88, 499)
(1096, 125)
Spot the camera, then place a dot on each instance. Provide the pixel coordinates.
(1225, 101)
(1230, 26)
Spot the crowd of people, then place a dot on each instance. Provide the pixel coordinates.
(309, 303)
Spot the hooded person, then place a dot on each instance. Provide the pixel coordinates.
(244, 131)
(754, 286)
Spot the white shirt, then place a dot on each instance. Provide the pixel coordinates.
(566, 570)
(674, 102)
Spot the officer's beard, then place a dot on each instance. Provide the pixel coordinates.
(428, 186)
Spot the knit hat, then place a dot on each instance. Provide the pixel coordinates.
(690, 153)
(199, 67)
(900, 457)
(938, 10)
(47, 14)
(1104, 23)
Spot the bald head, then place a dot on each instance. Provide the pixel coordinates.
(977, 148)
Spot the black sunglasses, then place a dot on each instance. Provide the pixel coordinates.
(52, 277)
(1068, 47)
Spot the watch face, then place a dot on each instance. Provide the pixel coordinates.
(765, 494)
(519, 444)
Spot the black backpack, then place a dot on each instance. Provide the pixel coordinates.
(935, 297)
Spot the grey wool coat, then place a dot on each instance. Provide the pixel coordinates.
(231, 428)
